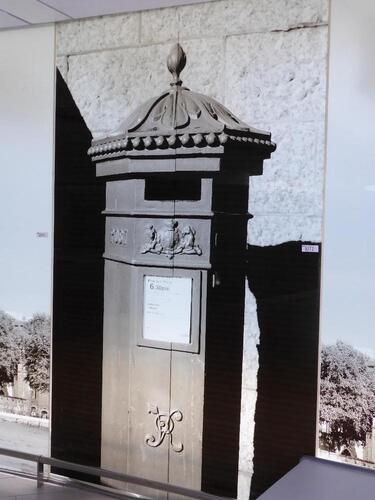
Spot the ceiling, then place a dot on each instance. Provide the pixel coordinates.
(18, 13)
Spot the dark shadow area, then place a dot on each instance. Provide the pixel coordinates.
(172, 187)
(223, 373)
(285, 282)
(78, 291)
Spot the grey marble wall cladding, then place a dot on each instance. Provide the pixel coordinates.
(266, 60)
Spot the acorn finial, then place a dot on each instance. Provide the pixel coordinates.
(176, 62)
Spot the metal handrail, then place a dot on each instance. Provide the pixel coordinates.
(99, 472)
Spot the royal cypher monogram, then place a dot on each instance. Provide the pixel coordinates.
(165, 423)
(171, 240)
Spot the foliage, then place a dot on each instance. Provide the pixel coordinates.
(12, 339)
(27, 343)
(37, 352)
(347, 395)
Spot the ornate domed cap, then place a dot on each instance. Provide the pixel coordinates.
(179, 118)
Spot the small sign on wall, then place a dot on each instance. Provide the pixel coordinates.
(167, 309)
(310, 248)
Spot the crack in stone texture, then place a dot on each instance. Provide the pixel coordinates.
(230, 17)
(202, 20)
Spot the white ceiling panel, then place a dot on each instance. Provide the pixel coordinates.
(8, 21)
(18, 13)
(32, 11)
(88, 8)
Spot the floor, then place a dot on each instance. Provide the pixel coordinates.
(318, 479)
(21, 437)
(13, 487)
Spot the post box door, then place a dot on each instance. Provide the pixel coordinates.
(166, 377)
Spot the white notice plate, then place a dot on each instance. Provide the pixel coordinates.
(310, 248)
(167, 309)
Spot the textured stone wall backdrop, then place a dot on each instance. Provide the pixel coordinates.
(266, 60)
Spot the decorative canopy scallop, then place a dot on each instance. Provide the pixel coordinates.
(179, 118)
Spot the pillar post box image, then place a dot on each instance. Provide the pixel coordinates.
(177, 180)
